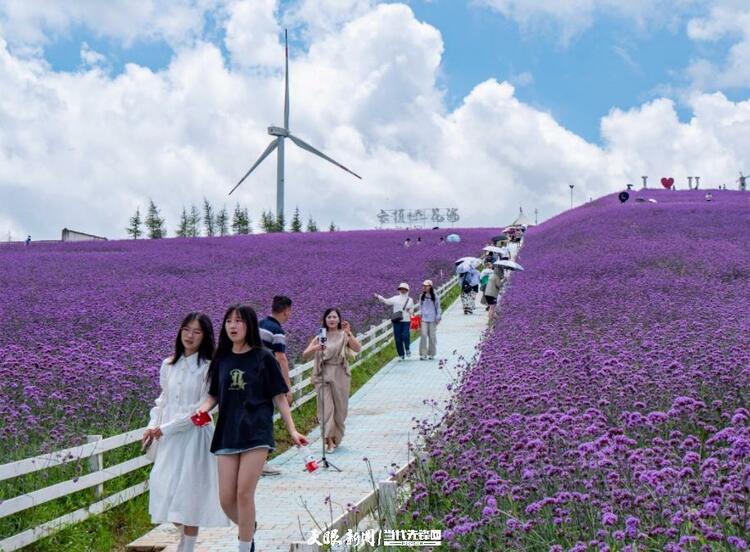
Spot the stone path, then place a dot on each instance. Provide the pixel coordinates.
(379, 427)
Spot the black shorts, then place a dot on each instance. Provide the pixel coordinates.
(490, 299)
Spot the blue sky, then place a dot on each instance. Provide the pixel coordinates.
(610, 64)
(413, 98)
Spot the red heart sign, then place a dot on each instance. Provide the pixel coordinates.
(667, 182)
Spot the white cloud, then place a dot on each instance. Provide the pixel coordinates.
(91, 57)
(27, 24)
(572, 17)
(83, 149)
(523, 79)
(652, 140)
(321, 17)
(718, 20)
(252, 34)
(727, 19)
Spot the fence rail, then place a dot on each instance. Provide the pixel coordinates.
(382, 500)
(373, 341)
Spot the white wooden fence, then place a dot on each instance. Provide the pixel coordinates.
(372, 341)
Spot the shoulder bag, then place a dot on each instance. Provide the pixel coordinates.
(398, 316)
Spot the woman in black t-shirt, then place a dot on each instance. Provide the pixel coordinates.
(245, 381)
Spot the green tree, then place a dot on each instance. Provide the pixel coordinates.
(222, 222)
(248, 224)
(237, 220)
(280, 223)
(208, 218)
(194, 225)
(311, 225)
(183, 231)
(267, 222)
(296, 221)
(134, 228)
(154, 223)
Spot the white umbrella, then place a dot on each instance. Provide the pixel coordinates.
(510, 265)
(493, 249)
(453, 238)
(469, 261)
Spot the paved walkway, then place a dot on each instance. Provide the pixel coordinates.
(379, 427)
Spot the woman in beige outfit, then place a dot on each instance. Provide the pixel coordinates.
(493, 289)
(332, 349)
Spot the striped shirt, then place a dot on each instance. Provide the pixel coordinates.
(272, 335)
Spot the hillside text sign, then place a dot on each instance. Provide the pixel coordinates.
(418, 217)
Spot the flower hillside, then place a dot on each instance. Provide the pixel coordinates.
(86, 325)
(608, 408)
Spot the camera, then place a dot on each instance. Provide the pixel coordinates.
(322, 337)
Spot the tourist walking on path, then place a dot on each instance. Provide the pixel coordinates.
(469, 281)
(403, 308)
(332, 350)
(274, 339)
(183, 485)
(429, 309)
(245, 380)
(494, 285)
(484, 276)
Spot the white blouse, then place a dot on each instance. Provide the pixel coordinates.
(184, 388)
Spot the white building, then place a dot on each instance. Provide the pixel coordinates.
(74, 235)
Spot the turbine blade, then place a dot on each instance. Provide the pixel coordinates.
(304, 145)
(286, 82)
(272, 146)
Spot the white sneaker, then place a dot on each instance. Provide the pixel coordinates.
(423, 358)
(270, 470)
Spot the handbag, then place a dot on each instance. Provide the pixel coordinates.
(398, 316)
(152, 447)
(415, 322)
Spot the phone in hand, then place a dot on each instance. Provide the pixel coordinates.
(322, 337)
(200, 419)
(146, 444)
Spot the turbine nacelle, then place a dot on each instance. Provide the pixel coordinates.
(278, 131)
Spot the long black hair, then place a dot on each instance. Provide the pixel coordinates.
(252, 336)
(206, 348)
(325, 315)
(432, 295)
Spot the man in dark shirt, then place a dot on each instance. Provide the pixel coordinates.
(273, 336)
(274, 339)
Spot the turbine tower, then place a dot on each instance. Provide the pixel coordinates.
(280, 133)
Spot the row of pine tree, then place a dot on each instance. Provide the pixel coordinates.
(211, 222)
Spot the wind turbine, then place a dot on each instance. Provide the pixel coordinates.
(741, 181)
(280, 133)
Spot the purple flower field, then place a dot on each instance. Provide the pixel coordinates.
(85, 325)
(609, 406)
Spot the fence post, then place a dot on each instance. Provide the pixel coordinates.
(387, 498)
(96, 463)
(294, 379)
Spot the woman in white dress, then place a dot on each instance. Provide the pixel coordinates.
(183, 486)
